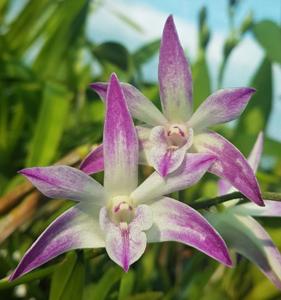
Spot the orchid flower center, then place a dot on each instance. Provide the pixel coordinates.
(121, 209)
(176, 135)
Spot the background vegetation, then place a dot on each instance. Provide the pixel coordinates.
(48, 114)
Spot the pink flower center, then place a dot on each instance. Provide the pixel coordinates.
(176, 135)
(121, 209)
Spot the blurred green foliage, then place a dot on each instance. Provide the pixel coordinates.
(47, 109)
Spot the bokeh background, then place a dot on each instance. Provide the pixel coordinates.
(50, 50)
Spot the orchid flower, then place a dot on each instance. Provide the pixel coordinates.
(245, 235)
(166, 138)
(120, 216)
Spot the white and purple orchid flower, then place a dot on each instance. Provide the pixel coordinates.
(244, 234)
(120, 216)
(166, 138)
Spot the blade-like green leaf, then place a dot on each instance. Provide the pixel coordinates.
(256, 115)
(74, 288)
(114, 53)
(146, 52)
(201, 80)
(64, 31)
(102, 288)
(50, 125)
(268, 34)
(147, 295)
(61, 276)
(126, 285)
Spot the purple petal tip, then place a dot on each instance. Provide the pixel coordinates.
(25, 172)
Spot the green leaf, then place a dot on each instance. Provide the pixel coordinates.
(64, 29)
(201, 80)
(147, 295)
(126, 285)
(74, 287)
(102, 288)
(61, 276)
(27, 21)
(268, 34)
(256, 115)
(113, 53)
(50, 125)
(146, 52)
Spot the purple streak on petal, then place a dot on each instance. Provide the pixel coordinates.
(176, 221)
(65, 182)
(162, 156)
(77, 228)
(120, 143)
(93, 162)
(254, 158)
(174, 76)
(222, 106)
(248, 238)
(191, 171)
(230, 165)
(125, 243)
(140, 107)
(255, 155)
(271, 209)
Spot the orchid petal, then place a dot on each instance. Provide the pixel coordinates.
(140, 107)
(255, 155)
(125, 243)
(220, 107)
(192, 169)
(76, 228)
(144, 143)
(253, 159)
(174, 76)
(271, 209)
(93, 162)
(230, 165)
(176, 221)
(164, 159)
(65, 182)
(120, 143)
(248, 238)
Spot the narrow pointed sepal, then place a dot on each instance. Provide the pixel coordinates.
(120, 143)
(194, 166)
(255, 155)
(176, 221)
(93, 162)
(254, 158)
(270, 209)
(230, 164)
(140, 107)
(222, 106)
(174, 75)
(65, 182)
(77, 228)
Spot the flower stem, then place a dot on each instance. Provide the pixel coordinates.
(207, 203)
